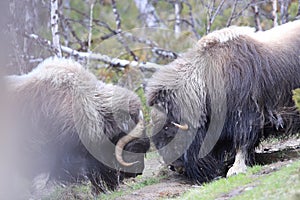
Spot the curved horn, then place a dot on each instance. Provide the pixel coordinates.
(184, 127)
(135, 133)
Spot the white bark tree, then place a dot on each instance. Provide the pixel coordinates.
(148, 14)
(274, 12)
(177, 8)
(54, 27)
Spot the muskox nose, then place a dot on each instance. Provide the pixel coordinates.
(135, 152)
(137, 168)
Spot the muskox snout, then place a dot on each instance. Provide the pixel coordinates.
(135, 152)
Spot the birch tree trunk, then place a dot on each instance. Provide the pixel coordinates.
(177, 8)
(54, 27)
(256, 17)
(274, 12)
(148, 13)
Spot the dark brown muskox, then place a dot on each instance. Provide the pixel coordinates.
(218, 100)
(72, 127)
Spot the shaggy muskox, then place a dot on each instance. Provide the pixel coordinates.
(212, 106)
(70, 127)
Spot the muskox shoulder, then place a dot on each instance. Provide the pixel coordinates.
(223, 36)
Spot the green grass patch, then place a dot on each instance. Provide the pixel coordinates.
(216, 188)
(282, 184)
(152, 155)
(72, 192)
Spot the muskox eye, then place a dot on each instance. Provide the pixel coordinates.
(166, 128)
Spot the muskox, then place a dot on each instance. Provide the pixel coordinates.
(71, 127)
(212, 106)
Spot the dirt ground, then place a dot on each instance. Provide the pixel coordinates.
(171, 186)
(276, 155)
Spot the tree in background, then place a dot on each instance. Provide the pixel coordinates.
(103, 34)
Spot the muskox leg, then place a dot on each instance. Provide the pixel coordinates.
(239, 165)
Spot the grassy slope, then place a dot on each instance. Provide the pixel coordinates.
(260, 182)
(281, 184)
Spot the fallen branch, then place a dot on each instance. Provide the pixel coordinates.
(115, 62)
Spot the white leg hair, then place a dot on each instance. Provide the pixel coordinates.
(239, 165)
(40, 181)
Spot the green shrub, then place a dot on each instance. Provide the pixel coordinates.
(296, 97)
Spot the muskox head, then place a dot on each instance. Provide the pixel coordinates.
(179, 98)
(73, 127)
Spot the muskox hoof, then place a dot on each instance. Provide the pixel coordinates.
(237, 169)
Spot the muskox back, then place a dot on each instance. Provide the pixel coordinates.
(67, 126)
(232, 89)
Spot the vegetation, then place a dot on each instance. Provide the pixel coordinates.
(282, 184)
(72, 192)
(108, 37)
(277, 181)
(296, 97)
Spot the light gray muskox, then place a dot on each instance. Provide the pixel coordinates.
(212, 106)
(73, 127)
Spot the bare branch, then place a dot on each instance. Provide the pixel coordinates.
(54, 27)
(256, 17)
(42, 42)
(212, 13)
(65, 23)
(251, 3)
(284, 10)
(154, 47)
(192, 20)
(95, 21)
(232, 13)
(164, 53)
(217, 10)
(140, 39)
(235, 15)
(117, 16)
(119, 30)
